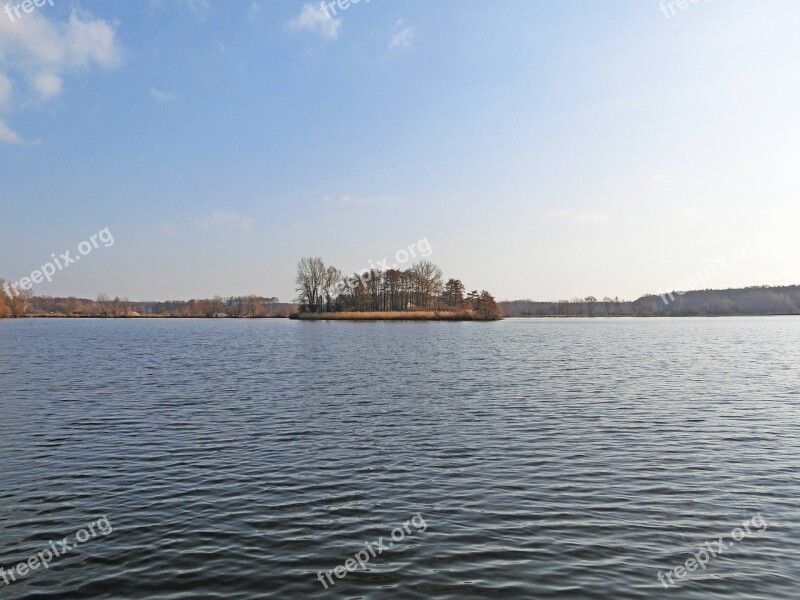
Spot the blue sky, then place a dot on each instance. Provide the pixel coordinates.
(545, 149)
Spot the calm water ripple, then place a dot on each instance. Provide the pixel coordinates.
(549, 458)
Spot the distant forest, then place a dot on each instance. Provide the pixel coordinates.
(757, 300)
(421, 289)
(27, 305)
(416, 292)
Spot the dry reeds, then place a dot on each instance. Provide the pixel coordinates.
(417, 315)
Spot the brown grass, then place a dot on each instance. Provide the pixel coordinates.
(417, 315)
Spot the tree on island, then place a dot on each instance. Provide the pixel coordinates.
(420, 288)
(454, 293)
(309, 281)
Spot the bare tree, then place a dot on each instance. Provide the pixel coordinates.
(5, 301)
(210, 308)
(19, 304)
(235, 307)
(116, 307)
(216, 304)
(104, 305)
(428, 281)
(608, 303)
(5, 310)
(330, 279)
(253, 306)
(309, 281)
(590, 302)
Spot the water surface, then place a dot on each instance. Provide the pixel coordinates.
(549, 458)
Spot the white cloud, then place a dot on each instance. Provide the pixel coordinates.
(40, 53)
(7, 136)
(163, 96)
(91, 42)
(223, 219)
(47, 84)
(5, 90)
(403, 36)
(316, 20)
(349, 200)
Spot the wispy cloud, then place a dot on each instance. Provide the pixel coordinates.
(316, 20)
(168, 229)
(223, 219)
(163, 96)
(255, 9)
(348, 200)
(198, 7)
(6, 87)
(403, 36)
(7, 136)
(39, 53)
(47, 84)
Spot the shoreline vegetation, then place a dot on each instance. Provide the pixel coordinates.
(420, 315)
(416, 294)
(103, 307)
(750, 301)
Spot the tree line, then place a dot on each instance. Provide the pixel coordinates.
(754, 300)
(325, 289)
(26, 304)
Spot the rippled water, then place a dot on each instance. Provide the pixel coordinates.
(547, 458)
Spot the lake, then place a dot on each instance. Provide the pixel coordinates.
(238, 459)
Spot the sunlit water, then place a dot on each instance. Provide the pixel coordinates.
(548, 458)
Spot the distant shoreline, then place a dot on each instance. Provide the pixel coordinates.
(368, 317)
(143, 317)
(667, 316)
